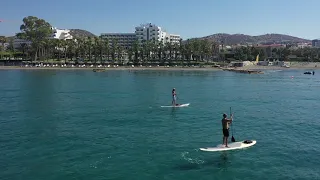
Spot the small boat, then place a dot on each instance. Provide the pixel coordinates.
(99, 70)
(307, 72)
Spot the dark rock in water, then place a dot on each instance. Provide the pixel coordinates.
(244, 71)
(99, 70)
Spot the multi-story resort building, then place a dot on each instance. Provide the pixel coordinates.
(147, 32)
(174, 39)
(144, 32)
(18, 43)
(61, 34)
(316, 43)
(125, 40)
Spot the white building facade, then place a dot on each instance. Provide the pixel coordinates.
(18, 43)
(63, 34)
(148, 32)
(174, 39)
(124, 40)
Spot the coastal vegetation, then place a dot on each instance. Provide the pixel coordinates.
(95, 49)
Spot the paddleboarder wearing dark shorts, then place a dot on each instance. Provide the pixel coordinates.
(225, 128)
(174, 97)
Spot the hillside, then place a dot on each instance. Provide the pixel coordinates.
(230, 39)
(79, 33)
(76, 33)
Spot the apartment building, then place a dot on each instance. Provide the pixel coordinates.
(124, 40)
(146, 32)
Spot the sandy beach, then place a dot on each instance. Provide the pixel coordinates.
(293, 65)
(115, 68)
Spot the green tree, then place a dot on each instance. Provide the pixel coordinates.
(24, 49)
(71, 48)
(107, 48)
(114, 48)
(10, 48)
(161, 51)
(254, 52)
(35, 30)
(89, 47)
(136, 50)
(3, 40)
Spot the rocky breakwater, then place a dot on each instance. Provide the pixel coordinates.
(245, 71)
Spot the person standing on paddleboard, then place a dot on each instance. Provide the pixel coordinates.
(225, 128)
(174, 97)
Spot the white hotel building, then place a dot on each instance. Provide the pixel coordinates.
(150, 31)
(63, 34)
(124, 40)
(144, 32)
(56, 34)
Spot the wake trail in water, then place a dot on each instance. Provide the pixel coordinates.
(196, 160)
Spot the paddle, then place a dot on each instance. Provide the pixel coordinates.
(232, 138)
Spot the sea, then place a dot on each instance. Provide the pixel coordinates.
(80, 124)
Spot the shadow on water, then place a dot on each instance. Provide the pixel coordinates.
(174, 112)
(222, 162)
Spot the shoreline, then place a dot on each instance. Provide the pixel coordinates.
(262, 68)
(249, 67)
(113, 68)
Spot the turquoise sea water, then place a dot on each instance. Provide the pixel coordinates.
(77, 124)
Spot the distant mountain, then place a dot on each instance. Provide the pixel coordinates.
(230, 39)
(10, 38)
(79, 33)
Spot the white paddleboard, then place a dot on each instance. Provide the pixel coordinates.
(180, 105)
(232, 146)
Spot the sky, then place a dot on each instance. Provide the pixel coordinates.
(189, 18)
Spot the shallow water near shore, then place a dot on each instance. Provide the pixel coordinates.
(77, 124)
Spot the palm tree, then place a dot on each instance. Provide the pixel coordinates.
(65, 49)
(155, 50)
(97, 49)
(147, 49)
(135, 49)
(195, 50)
(254, 52)
(161, 51)
(89, 46)
(114, 48)
(107, 48)
(119, 53)
(168, 48)
(45, 49)
(100, 47)
(24, 48)
(274, 52)
(10, 48)
(204, 50)
(215, 48)
(130, 53)
(188, 51)
(83, 49)
(71, 50)
(183, 53)
(3, 40)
